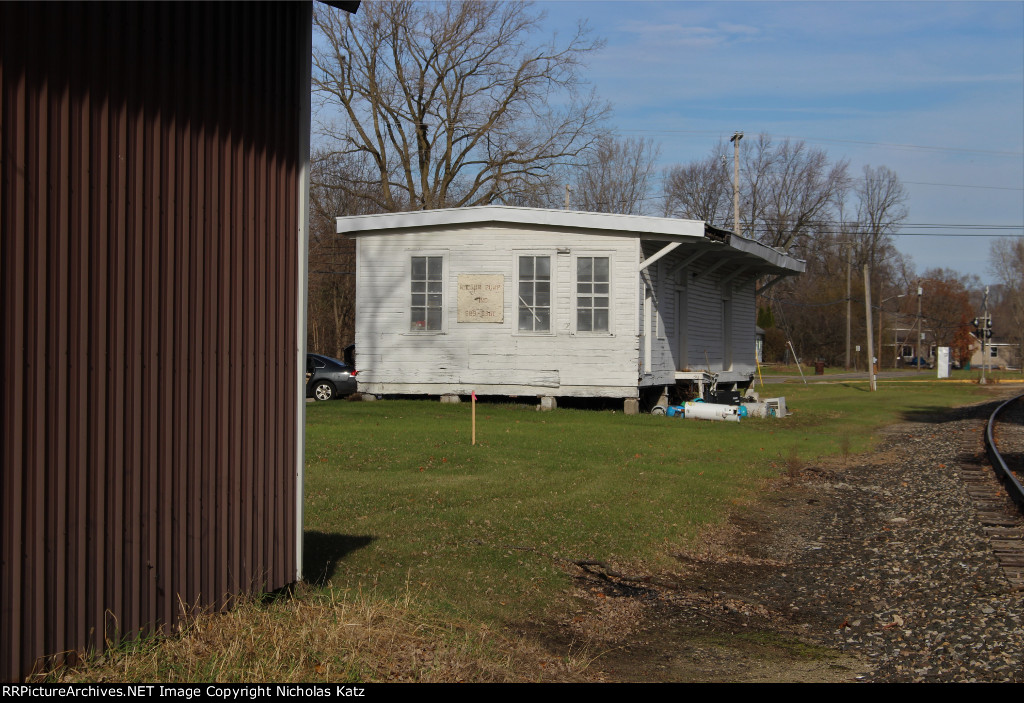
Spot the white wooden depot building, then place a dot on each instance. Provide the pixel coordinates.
(549, 303)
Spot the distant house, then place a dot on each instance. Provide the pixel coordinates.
(996, 355)
(553, 303)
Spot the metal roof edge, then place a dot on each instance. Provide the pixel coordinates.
(769, 254)
(506, 214)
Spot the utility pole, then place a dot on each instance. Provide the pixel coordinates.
(986, 330)
(871, 343)
(736, 137)
(566, 196)
(849, 306)
(920, 327)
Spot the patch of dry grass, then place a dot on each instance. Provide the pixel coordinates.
(794, 464)
(321, 637)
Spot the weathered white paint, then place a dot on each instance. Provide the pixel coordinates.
(642, 347)
(667, 249)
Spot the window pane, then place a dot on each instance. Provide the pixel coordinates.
(593, 288)
(543, 320)
(534, 293)
(419, 316)
(583, 320)
(525, 319)
(544, 294)
(433, 319)
(427, 294)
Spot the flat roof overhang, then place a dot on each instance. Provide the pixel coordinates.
(694, 235)
(739, 252)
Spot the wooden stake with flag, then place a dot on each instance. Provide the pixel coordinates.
(474, 415)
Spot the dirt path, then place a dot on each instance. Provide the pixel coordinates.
(873, 569)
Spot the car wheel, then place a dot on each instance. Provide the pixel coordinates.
(324, 390)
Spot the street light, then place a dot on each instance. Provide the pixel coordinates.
(881, 314)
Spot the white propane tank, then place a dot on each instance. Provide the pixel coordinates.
(711, 411)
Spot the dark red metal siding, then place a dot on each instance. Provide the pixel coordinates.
(149, 272)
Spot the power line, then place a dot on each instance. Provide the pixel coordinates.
(895, 145)
(960, 185)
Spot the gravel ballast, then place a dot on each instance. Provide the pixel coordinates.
(911, 575)
(879, 563)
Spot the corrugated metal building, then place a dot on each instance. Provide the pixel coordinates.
(152, 266)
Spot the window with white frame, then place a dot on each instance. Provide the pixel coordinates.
(593, 289)
(534, 293)
(427, 293)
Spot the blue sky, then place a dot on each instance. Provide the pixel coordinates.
(933, 90)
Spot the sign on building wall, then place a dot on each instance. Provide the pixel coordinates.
(481, 297)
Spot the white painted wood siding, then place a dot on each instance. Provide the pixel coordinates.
(704, 318)
(492, 357)
(744, 316)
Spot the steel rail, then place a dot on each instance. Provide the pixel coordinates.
(1013, 486)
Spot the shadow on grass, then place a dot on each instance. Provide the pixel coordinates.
(857, 386)
(937, 414)
(323, 550)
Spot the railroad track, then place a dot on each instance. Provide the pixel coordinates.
(996, 489)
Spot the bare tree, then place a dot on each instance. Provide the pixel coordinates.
(881, 209)
(1006, 262)
(616, 176)
(331, 296)
(700, 190)
(452, 103)
(789, 190)
(797, 198)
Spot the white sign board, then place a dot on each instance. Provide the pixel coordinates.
(942, 362)
(481, 297)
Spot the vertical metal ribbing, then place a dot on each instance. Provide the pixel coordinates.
(148, 205)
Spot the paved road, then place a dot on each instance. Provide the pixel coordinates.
(925, 375)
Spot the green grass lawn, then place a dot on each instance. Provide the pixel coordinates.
(419, 544)
(398, 501)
